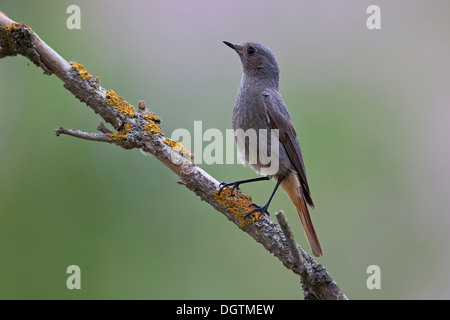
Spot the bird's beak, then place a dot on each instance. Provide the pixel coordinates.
(231, 45)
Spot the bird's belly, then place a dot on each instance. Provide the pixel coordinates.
(261, 150)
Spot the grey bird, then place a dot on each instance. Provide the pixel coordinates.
(259, 105)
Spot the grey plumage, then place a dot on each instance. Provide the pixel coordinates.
(259, 105)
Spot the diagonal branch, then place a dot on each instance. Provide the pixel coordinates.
(139, 128)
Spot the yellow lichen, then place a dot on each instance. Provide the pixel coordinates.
(141, 105)
(153, 121)
(81, 70)
(13, 27)
(178, 147)
(239, 204)
(19, 31)
(96, 81)
(119, 103)
(122, 135)
(153, 128)
(153, 117)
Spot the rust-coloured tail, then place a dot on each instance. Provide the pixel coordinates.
(291, 185)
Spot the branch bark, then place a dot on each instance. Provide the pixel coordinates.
(139, 128)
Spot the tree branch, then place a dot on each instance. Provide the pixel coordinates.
(102, 137)
(309, 276)
(297, 255)
(140, 128)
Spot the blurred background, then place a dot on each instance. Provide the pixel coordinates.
(371, 108)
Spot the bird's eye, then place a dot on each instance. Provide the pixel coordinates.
(251, 50)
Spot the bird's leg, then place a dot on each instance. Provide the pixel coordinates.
(236, 184)
(263, 209)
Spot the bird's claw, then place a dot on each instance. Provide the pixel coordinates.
(224, 185)
(258, 209)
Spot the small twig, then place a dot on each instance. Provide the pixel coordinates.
(298, 259)
(317, 284)
(101, 127)
(101, 137)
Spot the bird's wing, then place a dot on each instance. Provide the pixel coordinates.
(280, 119)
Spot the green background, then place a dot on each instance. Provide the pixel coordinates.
(371, 109)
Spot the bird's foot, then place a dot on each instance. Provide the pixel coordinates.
(258, 210)
(224, 185)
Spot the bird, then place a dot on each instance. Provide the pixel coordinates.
(259, 106)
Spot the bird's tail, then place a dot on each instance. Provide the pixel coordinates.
(291, 185)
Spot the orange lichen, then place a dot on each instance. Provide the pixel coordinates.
(141, 105)
(153, 121)
(122, 135)
(153, 117)
(239, 204)
(81, 71)
(153, 128)
(119, 103)
(20, 35)
(178, 147)
(13, 27)
(96, 81)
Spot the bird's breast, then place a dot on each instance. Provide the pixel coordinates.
(249, 111)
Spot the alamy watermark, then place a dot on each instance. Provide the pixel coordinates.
(74, 280)
(374, 280)
(73, 21)
(258, 148)
(373, 22)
